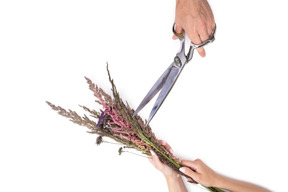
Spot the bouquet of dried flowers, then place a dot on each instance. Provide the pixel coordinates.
(115, 121)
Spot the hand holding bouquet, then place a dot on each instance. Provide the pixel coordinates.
(115, 121)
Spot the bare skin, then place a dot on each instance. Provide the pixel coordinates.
(173, 179)
(201, 174)
(196, 18)
(207, 177)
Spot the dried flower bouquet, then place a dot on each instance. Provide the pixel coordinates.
(115, 121)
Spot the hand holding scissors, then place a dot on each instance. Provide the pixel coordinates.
(196, 18)
(169, 77)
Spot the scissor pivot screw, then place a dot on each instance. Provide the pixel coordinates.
(177, 61)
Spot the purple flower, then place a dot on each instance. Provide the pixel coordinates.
(102, 120)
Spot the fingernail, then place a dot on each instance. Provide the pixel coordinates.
(163, 142)
(204, 54)
(171, 151)
(152, 152)
(182, 169)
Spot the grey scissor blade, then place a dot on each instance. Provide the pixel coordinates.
(154, 90)
(170, 81)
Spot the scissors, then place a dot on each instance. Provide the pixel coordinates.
(168, 78)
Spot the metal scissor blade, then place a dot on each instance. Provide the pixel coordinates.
(154, 90)
(170, 81)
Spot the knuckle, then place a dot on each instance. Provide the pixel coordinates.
(198, 161)
(189, 172)
(199, 178)
(191, 32)
(209, 30)
(190, 27)
(202, 25)
(184, 161)
(195, 177)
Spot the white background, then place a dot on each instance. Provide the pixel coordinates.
(229, 109)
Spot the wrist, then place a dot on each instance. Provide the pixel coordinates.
(174, 180)
(175, 183)
(172, 176)
(219, 181)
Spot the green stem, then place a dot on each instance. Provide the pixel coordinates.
(138, 127)
(134, 121)
(129, 144)
(141, 135)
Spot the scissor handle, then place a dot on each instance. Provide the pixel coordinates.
(179, 35)
(195, 46)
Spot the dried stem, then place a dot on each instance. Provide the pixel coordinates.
(116, 121)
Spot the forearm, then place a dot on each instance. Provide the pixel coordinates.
(175, 183)
(234, 185)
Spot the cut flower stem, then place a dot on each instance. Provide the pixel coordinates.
(116, 121)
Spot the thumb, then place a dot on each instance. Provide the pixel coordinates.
(189, 172)
(178, 30)
(155, 160)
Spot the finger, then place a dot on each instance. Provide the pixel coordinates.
(189, 172)
(213, 24)
(174, 37)
(190, 180)
(155, 159)
(178, 28)
(201, 51)
(192, 164)
(153, 155)
(196, 40)
(210, 21)
(209, 31)
(204, 35)
(166, 145)
(178, 31)
(211, 28)
(149, 157)
(151, 161)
